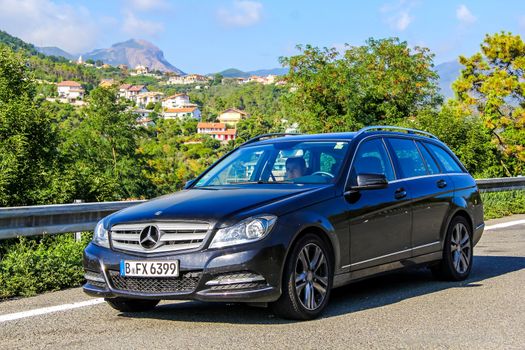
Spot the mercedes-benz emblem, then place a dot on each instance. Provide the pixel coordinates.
(149, 237)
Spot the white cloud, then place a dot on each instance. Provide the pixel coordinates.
(397, 15)
(48, 23)
(464, 15)
(139, 27)
(242, 13)
(146, 5)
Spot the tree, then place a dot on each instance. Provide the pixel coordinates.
(102, 147)
(27, 136)
(382, 82)
(492, 85)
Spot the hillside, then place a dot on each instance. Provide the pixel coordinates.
(132, 53)
(236, 73)
(15, 43)
(448, 72)
(55, 51)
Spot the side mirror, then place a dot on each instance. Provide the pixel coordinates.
(188, 184)
(370, 182)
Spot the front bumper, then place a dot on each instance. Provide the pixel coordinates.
(200, 272)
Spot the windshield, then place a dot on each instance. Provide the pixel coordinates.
(282, 162)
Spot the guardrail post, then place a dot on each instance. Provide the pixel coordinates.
(78, 235)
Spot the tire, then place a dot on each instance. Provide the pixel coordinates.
(457, 259)
(131, 305)
(305, 277)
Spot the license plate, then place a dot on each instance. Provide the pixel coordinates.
(149, 268)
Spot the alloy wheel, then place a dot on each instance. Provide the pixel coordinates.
(460, 248)
(311, 276)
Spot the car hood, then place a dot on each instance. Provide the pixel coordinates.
(220, 204)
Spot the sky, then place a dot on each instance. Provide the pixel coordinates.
(205, 36)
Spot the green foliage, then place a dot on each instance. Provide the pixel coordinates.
(382, 82)
(464, 134)
(27, 135)
(100, 149)
(499, 204)
(492, 85)
(30, 266)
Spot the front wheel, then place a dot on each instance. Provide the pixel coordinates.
(457, 253)
(307, 280)
(131, 305)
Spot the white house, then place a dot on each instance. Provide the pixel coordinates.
(145, 98)
(182, 112)
(176, 101)
(129, 91)
(188, 79)
(141, 70)
(70, 90)
(217, 130)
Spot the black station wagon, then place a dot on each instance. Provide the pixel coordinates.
(283, 219)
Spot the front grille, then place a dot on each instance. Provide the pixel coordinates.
(173, 236)
(155, 285)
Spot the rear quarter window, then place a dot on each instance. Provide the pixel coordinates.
(447, 162)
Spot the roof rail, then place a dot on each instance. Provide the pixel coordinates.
(267, 136)
(395, 128)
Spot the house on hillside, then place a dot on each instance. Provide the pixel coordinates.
(129, 91)
(182, 113)
(177, 100)
(217, 130)
(70, 90)
(145, 98)
(141, 70)
(232, 116)
(176, 80)
(107, 83)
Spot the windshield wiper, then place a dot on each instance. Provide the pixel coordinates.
(260, 182)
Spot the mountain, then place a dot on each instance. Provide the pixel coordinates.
(55, 51)
(132, 53)
(15, 43)
(448, 72)
(236, 73)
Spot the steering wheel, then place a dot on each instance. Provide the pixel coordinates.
(323, 173)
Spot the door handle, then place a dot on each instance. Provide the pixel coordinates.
(400, 193)
(441, 183)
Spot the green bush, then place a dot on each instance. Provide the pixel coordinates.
(499, 204)
(34, 265)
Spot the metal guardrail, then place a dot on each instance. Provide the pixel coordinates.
(63, 218)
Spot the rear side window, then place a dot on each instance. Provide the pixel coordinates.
(448, 164)
(372, 158)
(431, 163)
(408, 157)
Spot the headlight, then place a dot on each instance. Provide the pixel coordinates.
(100, 236)
(248, 230)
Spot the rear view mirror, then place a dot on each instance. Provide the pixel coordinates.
(370, 182)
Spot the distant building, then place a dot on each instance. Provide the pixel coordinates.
(182, 113)
(177, 100)
(188, 79)
(107, 83)
(129, 91)
(145, 98)
(232, 116)
(80, 60)
(70, 90)
(217, 130)
(141, 70)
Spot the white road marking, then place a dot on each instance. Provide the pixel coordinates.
(47, 310)
(505, 224)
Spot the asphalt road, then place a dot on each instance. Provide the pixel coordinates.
(403, 310)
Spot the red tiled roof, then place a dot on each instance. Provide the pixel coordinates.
(69, 83)
(176, 95)
(211, 126)
(136, 87)
(180, 110)
(125, 86)
(227, 132)
(235, 110)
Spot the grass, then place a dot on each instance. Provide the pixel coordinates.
(499, 204)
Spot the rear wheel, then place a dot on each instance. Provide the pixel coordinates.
(307, 280)
(131, 305)
(457, 253)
